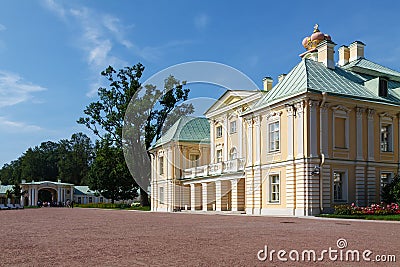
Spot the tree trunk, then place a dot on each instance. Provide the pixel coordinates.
(144, 198)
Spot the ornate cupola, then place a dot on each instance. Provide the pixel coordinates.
(311, 42)
(319, 47)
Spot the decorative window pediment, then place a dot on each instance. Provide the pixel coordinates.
(340, 109)
(275, 115)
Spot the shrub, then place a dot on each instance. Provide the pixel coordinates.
(391, 191)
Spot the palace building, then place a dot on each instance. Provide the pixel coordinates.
(325, 134)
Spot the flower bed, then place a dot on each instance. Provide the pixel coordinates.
(374, 209)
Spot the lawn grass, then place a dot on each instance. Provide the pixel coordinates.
(395, 217)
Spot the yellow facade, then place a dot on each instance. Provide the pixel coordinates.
(300, 154)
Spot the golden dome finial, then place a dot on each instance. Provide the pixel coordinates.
(316, 28)
(311, 42)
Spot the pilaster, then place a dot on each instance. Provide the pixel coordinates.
(290, 136)
(313, 137)
(371, 137)
(300, 129)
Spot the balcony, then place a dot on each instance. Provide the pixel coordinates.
(213, 169)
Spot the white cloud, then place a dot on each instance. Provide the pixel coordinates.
(55, 8)
(99, 33)
(201, 21)
(2, 27)
(12, 126)
(14, 90)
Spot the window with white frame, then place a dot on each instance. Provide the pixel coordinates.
(161, 195)
(274, 188)
(232, 128)
(194, 160)
(233, 153)
(386, 137)
(274, 136)
(219, 131)
(219, 155)
(161, 165)
(339, 186)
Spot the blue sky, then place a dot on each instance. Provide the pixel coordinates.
(51, 52)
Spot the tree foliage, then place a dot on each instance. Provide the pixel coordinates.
(75, 157)
(109, 174)
(68, 160)
(107, 116)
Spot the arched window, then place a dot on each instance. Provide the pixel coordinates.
(233, 153)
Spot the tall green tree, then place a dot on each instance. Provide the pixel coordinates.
(109, 174)
(107, 116)
(11, 172)
(40, 163)
(75, 158)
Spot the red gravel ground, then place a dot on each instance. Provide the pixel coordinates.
(93, 237)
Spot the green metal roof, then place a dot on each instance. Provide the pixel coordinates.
(312, 76)
(187, 129)
(365, 66)
(4, 188)
(83, 190)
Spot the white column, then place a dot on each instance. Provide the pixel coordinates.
(30, 196)
(226, 133)
(72, 193)
(240, 136)
(359, 114)
(36, 198)
(249, 142)
(218, 195)
(212, 145)
(193, 197)
(257, 123)
(205, 198)
(290, 112)
(371, 143)
(313, 128)
(300, 129)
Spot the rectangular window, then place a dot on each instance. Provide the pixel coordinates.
(386, 132)
(385, 179)
(233, 127)
(219, 155)
(274, 188)
(161, 165)
(339, 186)
(194, 160)
(383, 87)
(340, 132)
(161, 195)
(273, 129)
(219, 131)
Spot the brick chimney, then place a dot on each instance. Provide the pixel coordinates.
(267, 83)
(326, 49)
(344, 55)
(356, 50)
